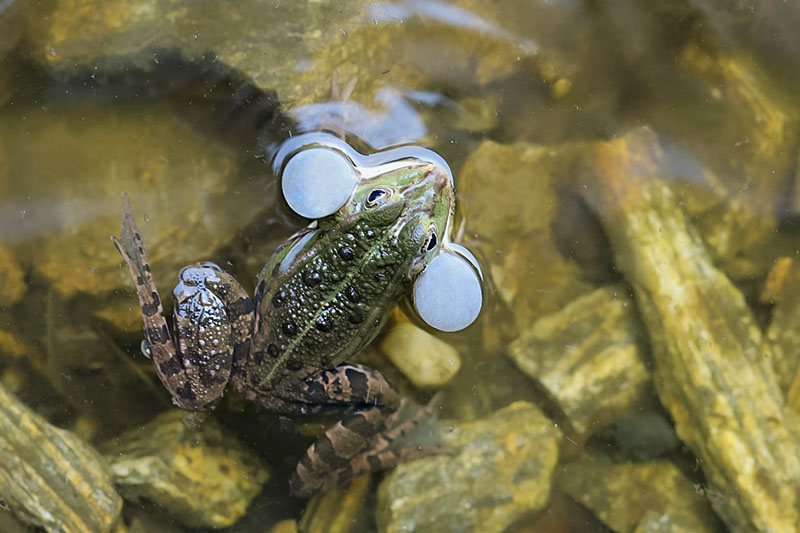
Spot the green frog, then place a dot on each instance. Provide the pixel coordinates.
(318, 301)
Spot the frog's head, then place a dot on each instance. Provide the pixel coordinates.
(410, 199)
(404, 194)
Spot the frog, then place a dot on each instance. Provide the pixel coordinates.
(318, 301)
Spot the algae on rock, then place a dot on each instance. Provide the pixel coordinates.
(624, 496)
(783, 288)
(532, 276)
(713, 370)
(502, 469)
(50, 478)
(202, 475)
(589, 357)
(343, 510)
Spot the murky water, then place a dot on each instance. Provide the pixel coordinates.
(625, 174)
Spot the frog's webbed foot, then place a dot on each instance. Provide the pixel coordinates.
(339, 92)
(210, 335)
(371, 439)
(336, 120)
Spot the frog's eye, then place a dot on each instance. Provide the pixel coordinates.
(430, 241)
(317, 182)
(377, 196)
(448, 294)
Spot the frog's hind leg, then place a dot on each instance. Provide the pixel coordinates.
(358, 444)
(195, 379)
(390, 449)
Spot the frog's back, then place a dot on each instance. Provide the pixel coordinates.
(326, 304)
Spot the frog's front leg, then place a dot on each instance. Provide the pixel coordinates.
(363, 441)
(213, 317)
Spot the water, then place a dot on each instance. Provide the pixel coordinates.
(550, 115)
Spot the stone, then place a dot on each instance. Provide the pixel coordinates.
(426, 360)
(345, 510)
(782, 288)
(712, 368)
(501, 470)
(626, 495)
(51, 478)
(65, 217)
(195, 470)
(589, 358)
(531, 275)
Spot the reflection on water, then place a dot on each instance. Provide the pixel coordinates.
(625, 173)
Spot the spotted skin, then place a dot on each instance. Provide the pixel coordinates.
(318, 301)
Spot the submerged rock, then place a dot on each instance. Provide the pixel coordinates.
(270, 43)
(502, 469)
(50, 478)
(425, 360)
(200, 474)
(713, 370)
(783, 288)
(12, 285)
(630, 496)
(58, 345)
(63, 218)
(340, 510)
(733, 140)
(515, 232)
(589, 357)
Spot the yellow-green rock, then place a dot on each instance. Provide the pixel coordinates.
(12, 284)
(502, 469)
(427, 361)
(590, 358)
(712, 368)
(203, 476)
(345, 510)
(50, 478)
(514, 223)
(627, 495)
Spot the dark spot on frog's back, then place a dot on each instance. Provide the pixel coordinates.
(294, 365)
(150, 309)
(311, 278)
(352, 294)
(325, 450)
(358, 423)
(279, 299)
(316, 392)
(323, 324)
(289, 328)
(260, 289)
(346, 253)
(240, 351)
(272, 350)
(356, 317)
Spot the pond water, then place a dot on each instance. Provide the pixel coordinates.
(625, 174)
